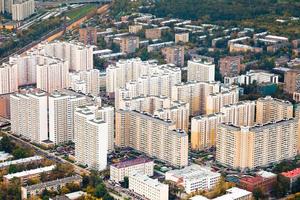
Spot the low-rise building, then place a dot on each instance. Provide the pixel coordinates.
(258, 76)
(33, 190)
(23, 161)
(25, 175)
(231, 194)
(292, 176)
(153, 33)
(123, 169)
(194, 177)
(264, 180)
(182, 37)
(152, 189)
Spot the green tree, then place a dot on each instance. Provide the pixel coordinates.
(258, 193)
(100, 190)
(12, 169)
(126, 182)
(143, 54)
(107, 197)
(101, 43)
(19, 153)
(6, 144)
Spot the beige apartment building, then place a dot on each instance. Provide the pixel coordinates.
(153, 33)
(199, 70)
(195, 93)
(160, 106)
(204, 130)
(153, 136)
(174, 55)
(248, 147)
(137, 74)
(61, 116)
(270, 109)
(216, 101)
(241, 113)
(135, 28)
(129, 44)
(182, 37)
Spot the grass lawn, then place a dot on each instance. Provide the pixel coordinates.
(80, 12)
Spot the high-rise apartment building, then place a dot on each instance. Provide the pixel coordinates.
(150, 188)
(29, 116)
(204, 130)
(107, 114)
(8, 78)
(61, 116)
(174, 55)
(19, 9)
(26, 66)
(79, 56)
(52, 74)
(241, 113)
(199, 70)
(216, 101)
(269, 109)
(178, 113)
(22, 9)
(87, 82)
(249, 147)
(195, 93)
(153, 136)
(160, 106)
(91, 139)
(131, 72)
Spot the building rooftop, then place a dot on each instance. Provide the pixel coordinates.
(232, 194)
(20, 161)
(193, 172)
(251, 179)
(129, 163)
(54, 183)
(292, 174)
(154, 183)
(30, 172)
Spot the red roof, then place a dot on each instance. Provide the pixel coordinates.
(252, 180)
(292, 174)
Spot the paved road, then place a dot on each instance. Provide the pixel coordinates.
(51, 156)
